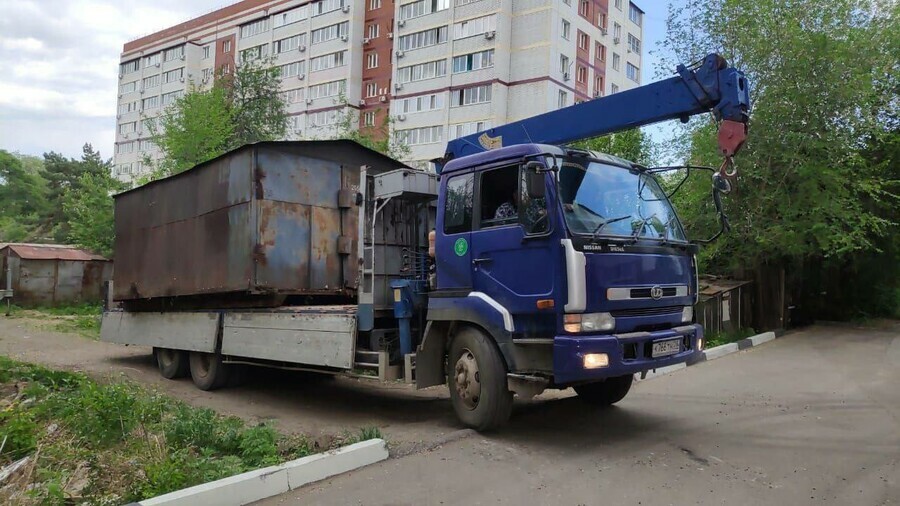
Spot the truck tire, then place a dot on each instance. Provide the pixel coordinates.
(208, 371)
(173, 364)
(606, 392)
(476, 376)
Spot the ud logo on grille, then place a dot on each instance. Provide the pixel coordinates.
(656, 292)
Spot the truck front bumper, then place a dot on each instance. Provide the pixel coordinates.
(628, 353)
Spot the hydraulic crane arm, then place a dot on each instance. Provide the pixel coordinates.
(710, 87)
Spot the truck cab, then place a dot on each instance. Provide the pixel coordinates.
(557, 267)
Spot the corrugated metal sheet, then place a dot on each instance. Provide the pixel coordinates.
(262, 219)
(50, 252)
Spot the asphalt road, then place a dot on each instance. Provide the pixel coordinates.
(811, 418)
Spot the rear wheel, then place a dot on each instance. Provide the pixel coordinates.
(606, 392)
(172, 363)
(208, 371)
(476, 377)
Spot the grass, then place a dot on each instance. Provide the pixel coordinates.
(83, 319)
(114, 443)
(720, 338)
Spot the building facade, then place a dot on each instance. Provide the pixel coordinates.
(426, 70)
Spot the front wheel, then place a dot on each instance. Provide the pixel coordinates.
(606, 392)
(476, 377)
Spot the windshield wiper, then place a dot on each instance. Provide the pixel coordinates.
(640, 228)
(606, 222)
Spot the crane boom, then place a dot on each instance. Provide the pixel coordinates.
(712, 86)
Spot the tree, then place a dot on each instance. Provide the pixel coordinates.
(823, 77)
(240, 108)
(631, 145)
(89, 212)
(23, 199)
(64, 175)
(376, 137)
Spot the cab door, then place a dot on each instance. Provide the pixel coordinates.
(513, 258)
(454, 231)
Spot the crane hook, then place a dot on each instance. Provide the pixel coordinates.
(728, 168)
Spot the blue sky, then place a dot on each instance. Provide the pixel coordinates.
(59, 59)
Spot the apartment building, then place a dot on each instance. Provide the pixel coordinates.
(438, 68)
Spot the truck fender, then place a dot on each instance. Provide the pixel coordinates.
(444, 314)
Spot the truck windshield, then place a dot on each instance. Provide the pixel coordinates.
(600, 199)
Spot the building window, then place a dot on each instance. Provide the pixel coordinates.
(369, 118)
(475, 26)
(614, 89)
(563, 99)
(374, 4)
(130, 67)
(422, 103)
(291, 16)
(152, 60)
(323, 118)
(581, 74)
(372, 31)
(254, 28)
(634, 44)
(598, 85)
(329, 32)
(633, 72)
(207, 74)
(469, 96)
(584, 42)
(170, 98)
(617, 61)
(566, 29)
(600, 52)
(292, 69)
(254, 53)
(618, 4)
(128, 107)
(226, 46)
(150, 103)
(372, 60)
(147, 145)
(127, 128)
(424, 38)
(371, 90)
(290, 43)
(465, 2)
(292, 96)
(173, 53)
(206, 52)
(329, 89)
(422, 7)
(635, 14)
(326, 6)
(125, 148)
(617, 32)
(422, 71)
(563, 64)
(151, 82)
(416, 136)
(601, 21)
(127, 87)
(463, 129)
(328, 61)
(294, 124)
(473, 61)
(173, 75)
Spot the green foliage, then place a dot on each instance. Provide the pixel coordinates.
(632, 145)
(23, 193)
(65, 177)
(819, 182)
(376, 137)
(719, 338)
(133, 443)
(240, 108)
(88, 210)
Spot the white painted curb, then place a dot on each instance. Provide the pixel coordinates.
(712, 354)
(271, 481)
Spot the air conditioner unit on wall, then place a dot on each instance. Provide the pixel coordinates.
(401, 117)
(398, 86)
(490, 35)
(401, 23)
(346, 8)
(344, 38)
(616, 40)
(399, 54)
(301, 48)
(566, 76)
(301, 77)
(383, 98)
(390, 35)
(309, 101)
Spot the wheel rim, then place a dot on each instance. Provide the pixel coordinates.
(204, 364)
(468, 380)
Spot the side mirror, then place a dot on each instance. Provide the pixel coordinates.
(534, 174)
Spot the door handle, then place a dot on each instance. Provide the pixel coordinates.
(482, 260)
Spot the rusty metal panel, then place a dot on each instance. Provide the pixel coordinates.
(36, 282)
(69, 277)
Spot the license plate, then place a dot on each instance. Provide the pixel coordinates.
(665, 348)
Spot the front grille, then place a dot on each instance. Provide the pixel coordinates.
(647, 311)
(644, 293)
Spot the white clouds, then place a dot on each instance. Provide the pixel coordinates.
(58, 67)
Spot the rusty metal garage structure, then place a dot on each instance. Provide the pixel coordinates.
(52, 274)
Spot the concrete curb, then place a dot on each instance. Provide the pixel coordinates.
(271, 481)
(712, 354)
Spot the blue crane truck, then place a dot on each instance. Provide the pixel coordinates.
(522, 264)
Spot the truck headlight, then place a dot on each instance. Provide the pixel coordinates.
(687, 314)
(590, 322)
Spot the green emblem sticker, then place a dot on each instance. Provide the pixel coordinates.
(461, 247)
